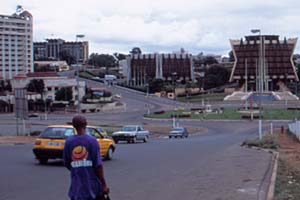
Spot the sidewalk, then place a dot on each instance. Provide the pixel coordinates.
(242, 174)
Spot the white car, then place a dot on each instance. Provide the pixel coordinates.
(131, 133)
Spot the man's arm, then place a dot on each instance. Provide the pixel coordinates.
(100, 175)
(66, 157)
(99, 167)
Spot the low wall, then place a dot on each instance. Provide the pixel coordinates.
(294, 128)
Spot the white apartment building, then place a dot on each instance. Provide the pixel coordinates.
(16, 45)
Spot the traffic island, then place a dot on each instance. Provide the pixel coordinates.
(225, 114)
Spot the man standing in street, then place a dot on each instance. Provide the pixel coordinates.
(82, 157)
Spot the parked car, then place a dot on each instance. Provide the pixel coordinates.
(178, 132)
(131, 133)
(51, 141)
(117, 96)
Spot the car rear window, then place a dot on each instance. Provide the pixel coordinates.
(57, 133)
(177, 129)
(128, 128)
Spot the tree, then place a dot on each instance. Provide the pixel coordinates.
(155, 85)
(120, 56)
(231, 56)
(102, 60)
(8, 86)
(202, 60)
(209, 60)
(64, 94)
(66, 56)
(36, 85)
(216, 76)
(136, 50)
(2, 86)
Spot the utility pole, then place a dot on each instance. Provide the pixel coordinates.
(77, 72)
(246, 83)
(261, 79)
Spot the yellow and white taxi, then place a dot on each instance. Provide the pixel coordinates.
(50, 144)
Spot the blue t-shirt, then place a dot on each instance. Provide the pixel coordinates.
(82, 156)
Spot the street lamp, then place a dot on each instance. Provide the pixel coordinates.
(174, 74)
(261, 81)
(77, 71)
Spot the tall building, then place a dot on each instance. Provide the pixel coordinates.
(16, 44)
(169, 67)
(52, 48)
(265, 61)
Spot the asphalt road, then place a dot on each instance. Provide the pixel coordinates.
(210, 166)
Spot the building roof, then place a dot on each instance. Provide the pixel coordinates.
(25, 13)
(54, 63)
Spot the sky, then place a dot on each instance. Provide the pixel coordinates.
(159, 26)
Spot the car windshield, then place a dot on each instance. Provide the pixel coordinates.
(128, 128)
(57, 133)
(177, 129)
(100, 130)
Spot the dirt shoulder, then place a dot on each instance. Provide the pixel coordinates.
(17, 139)
(288, 173)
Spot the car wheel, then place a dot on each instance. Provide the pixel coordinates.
(43, 161)
(134, 140)
(145, 139)
(175, 136)
(181, 136)
(170, 136)
(109, 154)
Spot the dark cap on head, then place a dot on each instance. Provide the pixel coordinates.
(79, 121)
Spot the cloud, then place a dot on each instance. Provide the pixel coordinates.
(166, 25)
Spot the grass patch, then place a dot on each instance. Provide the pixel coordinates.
(232, 114)
(86, 74)
(199, 98)
(227, 114)
(267, 142)
(288, 173)
(288, 181)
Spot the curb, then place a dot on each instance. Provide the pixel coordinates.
(213, 120)
(271, 188)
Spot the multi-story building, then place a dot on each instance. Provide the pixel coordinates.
(264, 61)
(52, 48)
(16, 45)
(169, 67)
